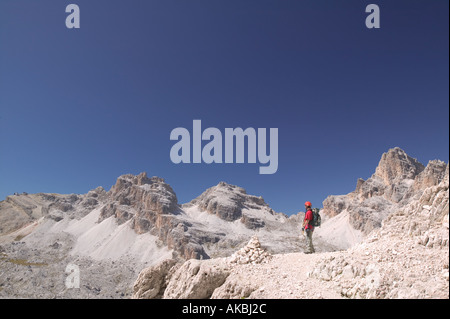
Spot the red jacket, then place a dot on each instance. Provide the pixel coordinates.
(309, 216)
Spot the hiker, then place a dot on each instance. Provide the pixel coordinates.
(308, 228)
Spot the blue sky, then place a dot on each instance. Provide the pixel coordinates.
(79, 107)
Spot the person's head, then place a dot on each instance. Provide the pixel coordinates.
(308, 205)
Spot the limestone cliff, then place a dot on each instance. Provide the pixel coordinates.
(398, 178)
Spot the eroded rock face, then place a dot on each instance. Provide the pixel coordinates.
(252, 222)
(223, 200)
(149, 197)
(432, 175)
(152, 281)
(397, 165)
(197, 279)
(228, 201)
(152, 206)
(397, 179)
(407, 257)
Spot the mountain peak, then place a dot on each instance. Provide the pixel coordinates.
(227, 201)
(396, 180)
(224, 186)
(141, 193)
(140, 179)
(396, 164)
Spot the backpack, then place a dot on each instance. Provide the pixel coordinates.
(317, 220)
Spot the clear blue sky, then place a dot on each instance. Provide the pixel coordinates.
(80, 107)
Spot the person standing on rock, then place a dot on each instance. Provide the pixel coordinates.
(308, 228)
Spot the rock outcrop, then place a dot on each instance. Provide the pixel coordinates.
(396, 166)
(406, 258)
(152, 281)
(398, 178)
(223, 200)
(195, 279)
(151, 206)
(230, 203)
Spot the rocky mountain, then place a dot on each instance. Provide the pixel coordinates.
(406, 257)
(137, 223)
(397, 180)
